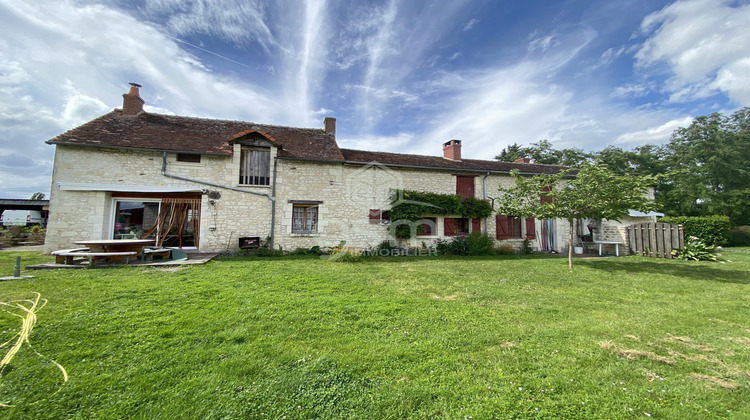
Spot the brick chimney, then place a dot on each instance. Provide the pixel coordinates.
(452, 150)
(330, 125)
(522, 160)
(132, 104)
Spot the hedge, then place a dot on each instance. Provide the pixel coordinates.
(713, 230)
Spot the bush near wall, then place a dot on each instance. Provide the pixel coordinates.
(739, 236)
(713, 230)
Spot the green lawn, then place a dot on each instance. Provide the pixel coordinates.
(496, 337)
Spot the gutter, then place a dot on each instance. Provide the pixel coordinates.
(140, 149)
(484, 197)
(273, 203)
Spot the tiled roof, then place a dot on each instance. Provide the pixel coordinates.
(149, 131)
(422, 161)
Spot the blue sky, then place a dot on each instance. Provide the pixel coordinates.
(399, 76)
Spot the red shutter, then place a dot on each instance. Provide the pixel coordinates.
(475, 227)
(544, 198)
(465, 186)
(530, 228)
(374, 217)
(449, 227)
(501, 226)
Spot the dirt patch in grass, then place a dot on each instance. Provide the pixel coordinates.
(733, 324)
(446, 297)
(714, 380)
(691, 352)
(632, 354)
(633, 337)
(742, 340)
(689, 342)
(506, 345)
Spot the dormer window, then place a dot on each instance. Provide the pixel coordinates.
(255, 166)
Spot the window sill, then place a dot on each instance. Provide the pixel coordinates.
(303, 235)
(252, 186)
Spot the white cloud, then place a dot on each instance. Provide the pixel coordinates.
(704, 44)
(390, 43)
(658, 134)
(397, 143)
(59, 72)
(631, 91)
(238, 21)
(470, 24)
(542, 43)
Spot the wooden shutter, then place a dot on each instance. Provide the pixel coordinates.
(465, 186)
(544, 198)
(449, 226)
(530, 228)
(501, 226)
(475, 226)
(374, 216)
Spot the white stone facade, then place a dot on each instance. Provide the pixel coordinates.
(86, 181)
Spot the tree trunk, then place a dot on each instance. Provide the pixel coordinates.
(570, 245)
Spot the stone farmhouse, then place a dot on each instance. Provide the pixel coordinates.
(217, 185)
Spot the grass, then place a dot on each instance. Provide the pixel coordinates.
(495, 337)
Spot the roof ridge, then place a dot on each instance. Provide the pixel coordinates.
(462, 160)
(225, 120)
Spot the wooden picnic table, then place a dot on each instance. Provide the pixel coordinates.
(117, 245)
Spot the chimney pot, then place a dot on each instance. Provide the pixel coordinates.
(452, 150)
(132, 104)
(330, 125)
(522, 160)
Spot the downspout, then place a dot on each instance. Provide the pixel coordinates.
(484, 197)
(271, 196)
(273, 202)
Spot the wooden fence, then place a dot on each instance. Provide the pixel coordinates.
(655, 239)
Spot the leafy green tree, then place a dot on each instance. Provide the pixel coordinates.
(542, 152)
(708, 167)
(37, 196)
(511, 153)
(593, 192)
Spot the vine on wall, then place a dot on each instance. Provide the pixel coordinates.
(413, 205)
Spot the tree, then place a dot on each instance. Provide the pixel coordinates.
(542, 152)
(708, 168)
(511, 153)
(593, 192)
(37, 196)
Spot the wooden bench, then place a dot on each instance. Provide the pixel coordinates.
(67, 256)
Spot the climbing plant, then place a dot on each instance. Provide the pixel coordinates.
(414, 205)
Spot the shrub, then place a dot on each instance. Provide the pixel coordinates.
(474, 244)
(697, 250)
(527, 248)
(387, 245)
(713, 230)
(480, 244)
(345, 254)
(739, 236)
(307, 251)
(505, 250)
